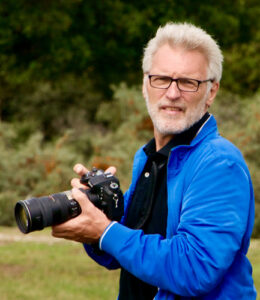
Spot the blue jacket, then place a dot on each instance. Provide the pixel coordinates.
(209, 224)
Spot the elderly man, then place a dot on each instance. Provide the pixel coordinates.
(189, 210)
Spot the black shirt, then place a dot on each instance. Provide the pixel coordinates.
(148, 209)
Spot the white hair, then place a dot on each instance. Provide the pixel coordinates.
(189, 37)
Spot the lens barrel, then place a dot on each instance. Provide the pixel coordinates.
(38, 213)
(103, 190)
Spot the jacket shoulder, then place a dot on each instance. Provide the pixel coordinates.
(221, 148)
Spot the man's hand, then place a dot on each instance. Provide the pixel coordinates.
(81, 170)
(91, 223)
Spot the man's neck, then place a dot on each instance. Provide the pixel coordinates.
(185, 137)
(161, 141)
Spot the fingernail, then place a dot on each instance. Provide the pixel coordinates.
(78, 169)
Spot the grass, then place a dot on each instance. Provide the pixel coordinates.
(55, 269)
(254, 256)
(40, 270)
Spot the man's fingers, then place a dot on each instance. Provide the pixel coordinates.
(111, 170)
(75, 183)
(80, 169)
(60, 229)
(82, 199)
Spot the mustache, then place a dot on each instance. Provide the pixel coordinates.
(175, 106)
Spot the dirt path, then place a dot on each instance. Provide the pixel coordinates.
(14, 235)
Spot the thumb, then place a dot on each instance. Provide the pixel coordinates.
(80, 169)
(82, 199)
(111, 170)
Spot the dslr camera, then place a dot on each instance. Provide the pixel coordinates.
(103, 191)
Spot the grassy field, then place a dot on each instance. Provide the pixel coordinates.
(37, 266)
(47, 269)
(254, 256)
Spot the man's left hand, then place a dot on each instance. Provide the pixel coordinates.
(85, 228)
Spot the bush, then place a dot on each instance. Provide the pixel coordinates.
(130, 127)
(31, 168)
(51, 107)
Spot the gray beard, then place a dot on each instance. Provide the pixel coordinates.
(167, 126)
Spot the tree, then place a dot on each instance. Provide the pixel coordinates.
(78, 49)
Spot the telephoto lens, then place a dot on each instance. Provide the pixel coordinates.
(38, 213)
(103, 190)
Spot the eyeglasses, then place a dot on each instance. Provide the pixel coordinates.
(183, 84)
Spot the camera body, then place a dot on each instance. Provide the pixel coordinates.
(103, 190)
(104, 193)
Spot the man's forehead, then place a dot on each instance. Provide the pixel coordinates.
(179, 60)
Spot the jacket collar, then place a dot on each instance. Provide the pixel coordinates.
(209, 127)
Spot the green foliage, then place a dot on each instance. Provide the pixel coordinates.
(31, 168)
(53, 107)
(62, 61)
(241, 74)
(48, 46)
(131, 127)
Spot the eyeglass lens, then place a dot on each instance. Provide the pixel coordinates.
(184, 84)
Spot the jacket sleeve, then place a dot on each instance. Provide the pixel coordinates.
(213, 220)
(101, 257)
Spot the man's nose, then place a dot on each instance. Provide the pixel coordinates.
(173, 91)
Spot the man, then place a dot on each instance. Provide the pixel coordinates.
(189, 211)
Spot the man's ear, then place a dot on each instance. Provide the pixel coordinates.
(212, 93)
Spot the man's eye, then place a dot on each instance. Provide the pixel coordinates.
(161, 80)
(187, 82)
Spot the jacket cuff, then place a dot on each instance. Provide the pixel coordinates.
(104, 234)
(114, 237)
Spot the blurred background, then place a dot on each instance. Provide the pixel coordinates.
(70, 91)
(70, 86)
